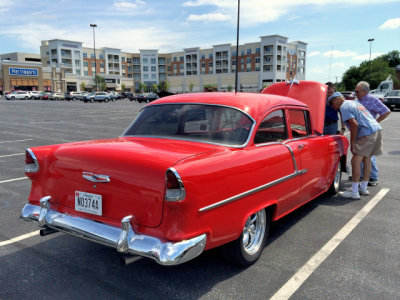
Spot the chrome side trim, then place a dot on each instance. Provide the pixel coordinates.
(253, 191)
(96, 177)
(124, 239)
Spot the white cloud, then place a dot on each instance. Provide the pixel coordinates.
(366, 56)
(337, 53)
(254, 12)
(5, 5)
(314, 53)
(127, 5)
(391, 24)
(209, 17)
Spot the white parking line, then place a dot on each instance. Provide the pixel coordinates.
(8, 155)
(291, 286)
(16, 141)
(19, 238)
(15, 179)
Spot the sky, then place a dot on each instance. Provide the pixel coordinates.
(336, 31)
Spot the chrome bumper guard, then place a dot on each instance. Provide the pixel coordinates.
(124, 239)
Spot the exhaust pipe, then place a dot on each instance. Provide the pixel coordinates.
(47, 231)
(128, 259)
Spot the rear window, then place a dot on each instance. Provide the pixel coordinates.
(205, 123)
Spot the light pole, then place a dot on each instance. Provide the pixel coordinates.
(369, 67)
(94, 50)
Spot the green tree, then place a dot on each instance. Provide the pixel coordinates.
(100, 83)
(142, 87)
(83, 86)
(191, 85)
(229, 88)
(123, 87)
(155, 88)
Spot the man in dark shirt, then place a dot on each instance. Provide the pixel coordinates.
(331, 115)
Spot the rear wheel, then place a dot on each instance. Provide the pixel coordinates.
(106, 100)
(91, 100)
(26, 98)
(248, 247)
(12, 98)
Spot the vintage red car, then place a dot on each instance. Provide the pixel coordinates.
(191, 173)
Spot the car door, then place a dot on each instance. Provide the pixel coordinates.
(312, 154)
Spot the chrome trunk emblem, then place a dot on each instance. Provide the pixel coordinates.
(96, 177)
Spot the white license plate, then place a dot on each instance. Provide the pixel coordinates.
(88, 203)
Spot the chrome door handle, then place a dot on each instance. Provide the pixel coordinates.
(300, 147)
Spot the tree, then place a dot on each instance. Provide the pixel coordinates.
(83, 86)
(142, 87)
(229, 88)
(155, 88)
(100, 83)
(191, 87)
(379, 70)
(123, 87)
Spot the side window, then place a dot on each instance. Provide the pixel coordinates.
(272, 128)
(299, 123)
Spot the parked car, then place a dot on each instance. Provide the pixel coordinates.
(132, 97)
(147, 97)
(191, 173)
(73, 96)
(97, 96)
(34, 94)
(22, 95)
(349, 95)
(57, 96)
(392, 100)
(45, 95)
(115, 96)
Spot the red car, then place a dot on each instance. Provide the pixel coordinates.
(191, 173)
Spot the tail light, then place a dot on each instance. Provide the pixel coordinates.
(31, 163)
(174, 189)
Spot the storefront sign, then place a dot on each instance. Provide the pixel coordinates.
(106, 80)
(22, 72)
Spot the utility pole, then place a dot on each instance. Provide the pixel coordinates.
(369, 67)
(94, 50)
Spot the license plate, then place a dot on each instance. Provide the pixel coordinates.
(392, 105)
(88, 203)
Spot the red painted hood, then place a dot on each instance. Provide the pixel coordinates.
(136, 167)
(312, 93)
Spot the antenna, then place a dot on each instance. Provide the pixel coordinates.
(237, 48)
(330, 63)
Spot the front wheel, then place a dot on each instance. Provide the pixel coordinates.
(106, 100)
(248, 247)
(334, 188)
(91, 100)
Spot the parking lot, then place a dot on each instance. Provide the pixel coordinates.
(332, 248)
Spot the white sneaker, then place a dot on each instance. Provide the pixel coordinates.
(363, 191)
(350, 194)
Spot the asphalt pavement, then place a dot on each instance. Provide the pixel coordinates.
(331, 248)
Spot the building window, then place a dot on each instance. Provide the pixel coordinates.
(153, 76)
(257, 50)
(101, 56)
(84, 55)
(145, 68)
(153, 61)
(257, 59)
(233, 53)
(210, 64)
(203, 56)
(174, 58)
(248, 51)
(203, 64)
(77, 71)
(181, 58)
(85, 64)
(181, 66)
(92, 55)
(153, 68)
(86, 73)
(93, 65)
(145, 76)
(233, 62)
(248, 60)
(210, 55)
(123, 67)
(102, 65)
(242, 52)
(123, 59)
(145, 60)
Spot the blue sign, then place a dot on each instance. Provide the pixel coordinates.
(22, 72)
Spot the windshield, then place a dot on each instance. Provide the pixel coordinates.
(205, 123)
(394, 93)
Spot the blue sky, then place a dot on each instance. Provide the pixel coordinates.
(336, 31)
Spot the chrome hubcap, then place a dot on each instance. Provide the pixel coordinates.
(253, 232)
(336, 181)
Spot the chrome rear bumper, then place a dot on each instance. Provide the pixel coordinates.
(124, 239)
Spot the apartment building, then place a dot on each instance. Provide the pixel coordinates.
(67, 65)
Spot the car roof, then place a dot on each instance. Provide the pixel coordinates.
(252, 103)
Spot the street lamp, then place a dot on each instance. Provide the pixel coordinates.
(94, 50)
(369, 67)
